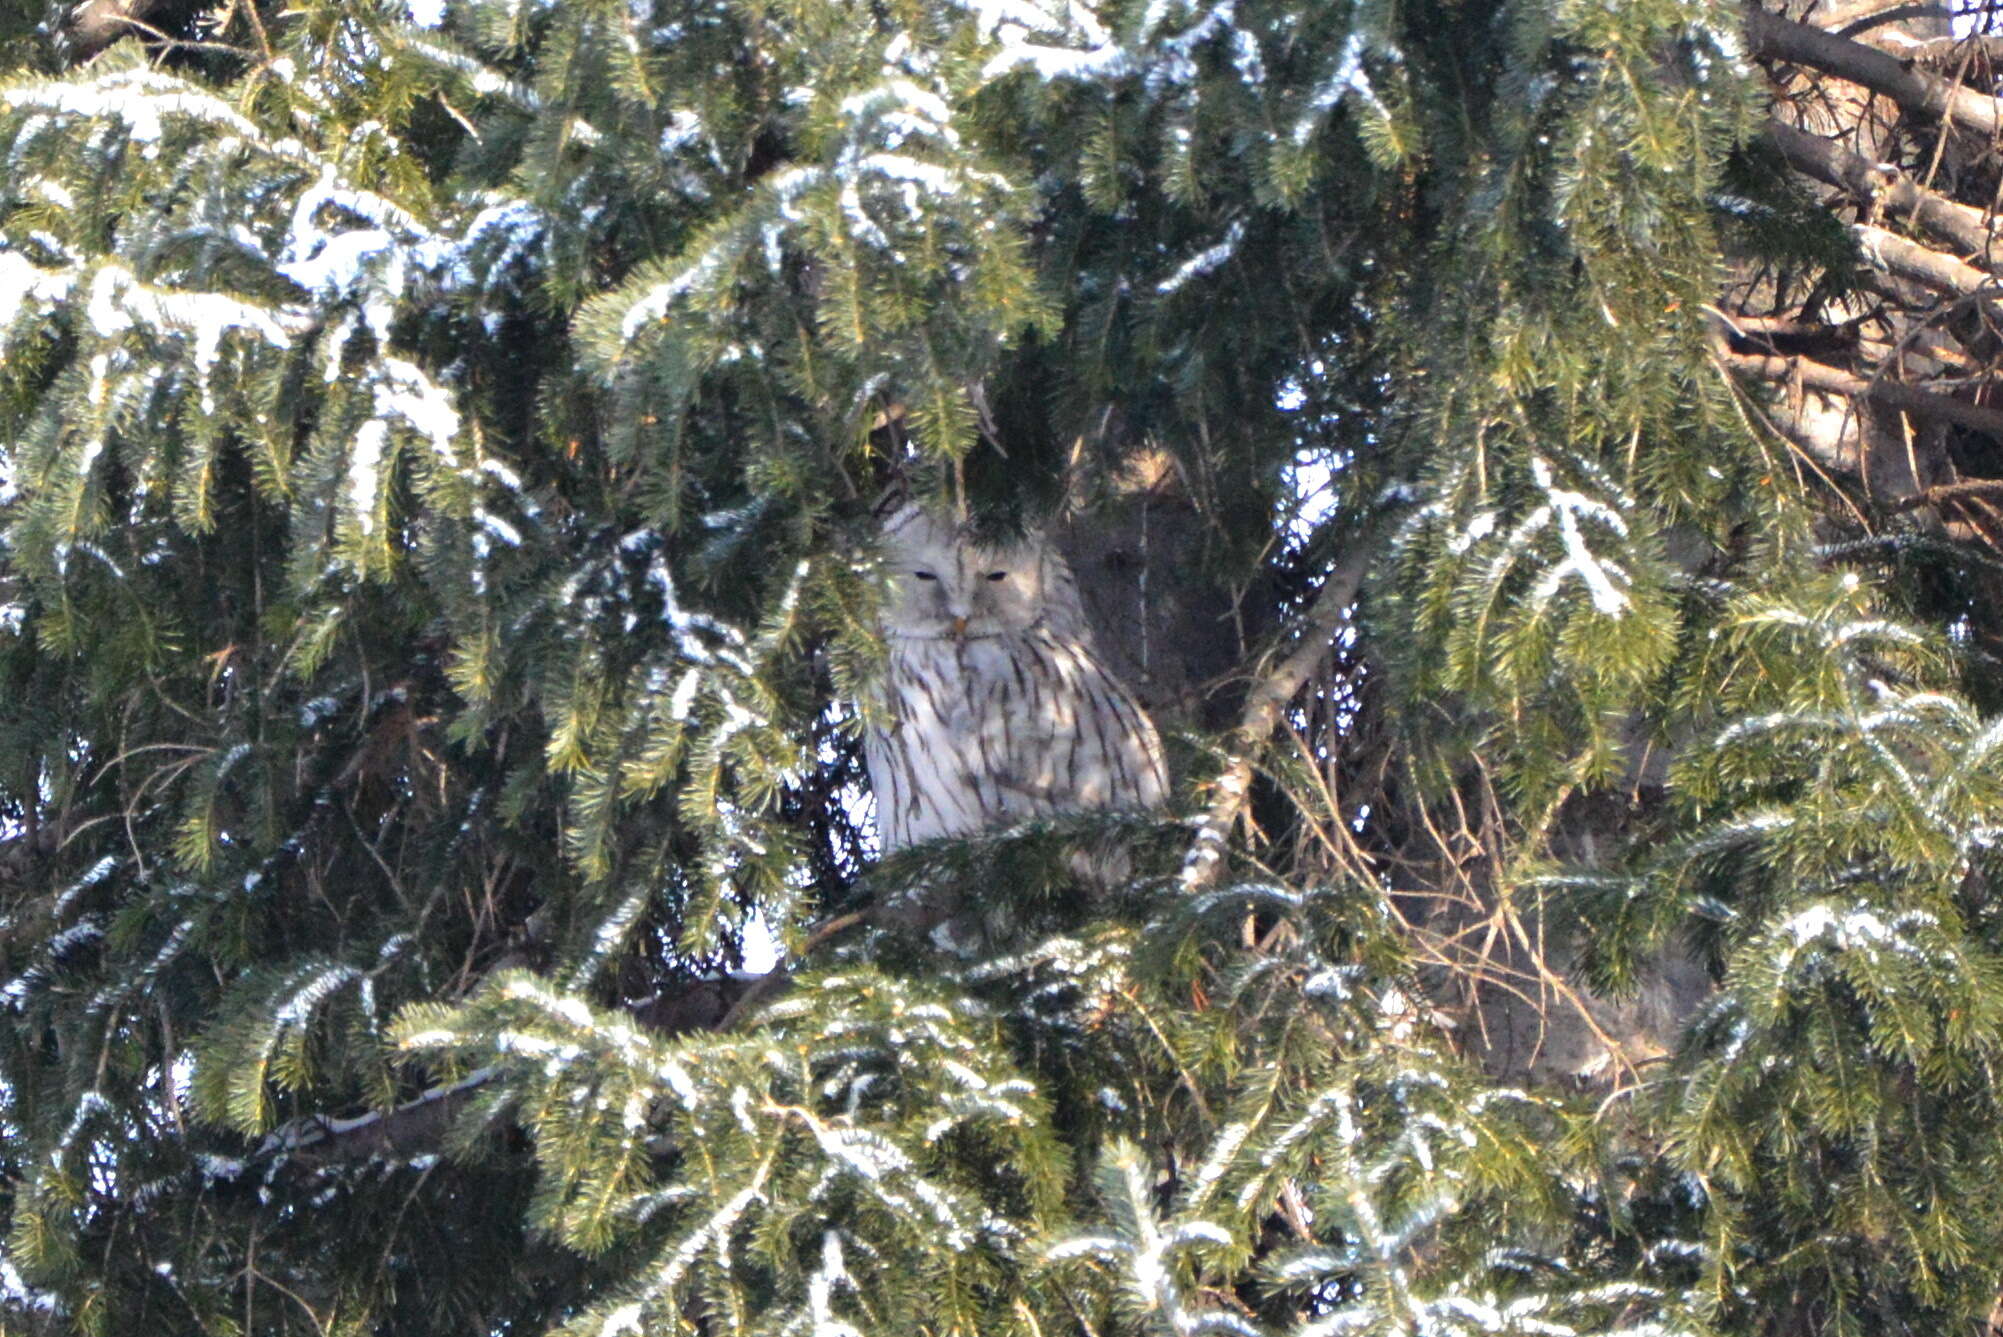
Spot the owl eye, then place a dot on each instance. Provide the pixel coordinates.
(997, 575)
(924, 575)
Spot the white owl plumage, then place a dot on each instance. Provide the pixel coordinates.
(995, 707)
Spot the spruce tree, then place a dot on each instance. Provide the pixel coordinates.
(438, 446)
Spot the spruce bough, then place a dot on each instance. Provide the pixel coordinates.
(437, 447)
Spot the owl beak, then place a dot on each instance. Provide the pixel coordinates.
(959, 629)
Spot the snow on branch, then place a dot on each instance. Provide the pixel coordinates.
(1602, 579)
(119, 302)
(898, 171)
(1013, 22)
(22, 282)
(1204, 261)
(1348, 77)
(482, 79)
(144, 100)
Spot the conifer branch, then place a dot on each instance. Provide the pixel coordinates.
(418, 1125)
(408, 1129)
(762, 987)
(316, 454)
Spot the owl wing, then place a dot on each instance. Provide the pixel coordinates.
(932, 763)
(1002, 729)
(1074, 738)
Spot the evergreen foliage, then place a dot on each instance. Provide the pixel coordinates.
(438, 446)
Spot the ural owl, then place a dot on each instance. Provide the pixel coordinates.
(997, 710)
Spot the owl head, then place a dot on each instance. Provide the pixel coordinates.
(944, 586)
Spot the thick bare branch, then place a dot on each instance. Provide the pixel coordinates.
(1882, 184)
(1893, 394)
(1771, 37)
(1909, 260)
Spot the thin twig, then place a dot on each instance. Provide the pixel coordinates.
(1264, 709)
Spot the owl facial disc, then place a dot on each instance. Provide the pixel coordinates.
(943, 586)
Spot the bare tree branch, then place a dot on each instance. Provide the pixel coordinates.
(1893, 394)
(1205, 862)
(1939, 50)
(1909, 260)
(95, 24)
(1896, 14)
(1851, 19)
(1883, 184)
(1771, 37)
(1947, 493)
